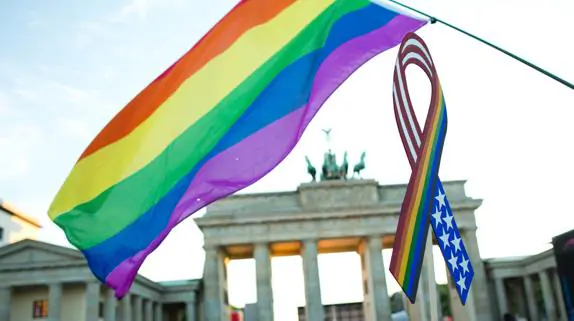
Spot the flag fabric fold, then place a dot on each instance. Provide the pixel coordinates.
(220, 118)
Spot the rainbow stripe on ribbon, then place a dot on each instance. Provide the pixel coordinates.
(414, 220)
(219, 119)
(412, 231)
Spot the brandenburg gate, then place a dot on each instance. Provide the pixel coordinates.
(333, 215)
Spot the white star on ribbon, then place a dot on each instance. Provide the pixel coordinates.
(453, 262)
(456, 243)
(462, 283)
(448, 221)
(437, 217)
(464, 265)
(440, 198)
(444, 239)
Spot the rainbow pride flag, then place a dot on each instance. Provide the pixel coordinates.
(215, 122)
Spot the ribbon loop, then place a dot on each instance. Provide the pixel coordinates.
(425, 193)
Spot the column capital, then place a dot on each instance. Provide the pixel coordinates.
(110, 293)
(211, 247)
(92, 283)
(310, 240)
(192, 297)
(259, 246)
(375, 240)
(368, 242)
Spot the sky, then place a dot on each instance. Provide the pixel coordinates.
(66, 68)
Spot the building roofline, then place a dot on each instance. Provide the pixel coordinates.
(10, 209)
(519, 260)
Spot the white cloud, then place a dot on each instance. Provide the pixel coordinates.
(138, 8)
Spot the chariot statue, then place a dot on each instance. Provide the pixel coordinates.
(330, 169)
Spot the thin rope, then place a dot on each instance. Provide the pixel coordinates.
(511, 55)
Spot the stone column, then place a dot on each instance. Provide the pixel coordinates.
(138, 308)
(559, 296)
(158, 310)
(549, 305)
(479, 287)
(264, 286)
(501, 296)
(110, 306)
(5, 303)
(214, 283)
(459, 311)
(530, 299)
(426, 303)
(190, 311)
(126, 304)
(378, 307)
(54, 302)
(148, 310)
(92, 301)
(314, 305)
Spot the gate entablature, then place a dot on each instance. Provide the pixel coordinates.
(337, 213)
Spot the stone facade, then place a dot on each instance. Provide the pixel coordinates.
(35, 276)
(526, 286)
(325, 217)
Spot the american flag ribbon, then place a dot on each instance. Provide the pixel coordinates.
(425, 200)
